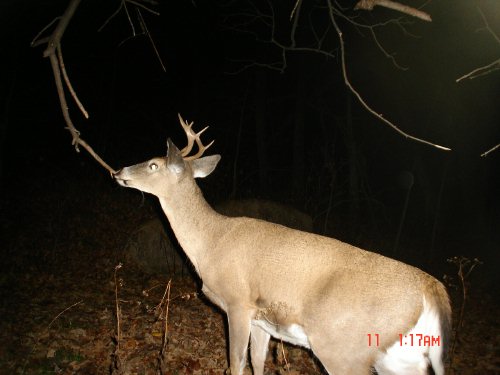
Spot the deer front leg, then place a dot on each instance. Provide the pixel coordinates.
(259, 343)
(239, 331)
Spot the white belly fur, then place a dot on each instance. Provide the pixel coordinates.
(294, 334)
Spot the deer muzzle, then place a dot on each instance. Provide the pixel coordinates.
(118, 176)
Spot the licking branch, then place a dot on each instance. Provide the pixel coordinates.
(54, 52)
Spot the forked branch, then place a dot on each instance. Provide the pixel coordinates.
(54, 53)
(333, 14)
(358, 95)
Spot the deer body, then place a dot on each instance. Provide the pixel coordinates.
(306, 289)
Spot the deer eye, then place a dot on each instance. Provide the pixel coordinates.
(153, 166)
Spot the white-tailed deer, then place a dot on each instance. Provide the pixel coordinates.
(355, 310)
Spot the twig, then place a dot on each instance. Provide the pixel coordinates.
(124, 5)
(68, 83)
(481, 71)
(62, 312)
(146, 31)
(486, 69)
(283, 354)
(165, 331)
(138, 4)
(110, 17)
(490, 150)
(162, 355)
(465, 267)
(117, 307)
(128, 17)
(295, 17)
(488, 27)
(36, 40)
(387, 54)
(46, 330)
(116, 353)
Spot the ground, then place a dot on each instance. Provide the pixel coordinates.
(63, 278)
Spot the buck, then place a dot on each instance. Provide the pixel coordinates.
(356, 310)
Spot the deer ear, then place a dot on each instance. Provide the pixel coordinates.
(204, 166)
(175, 162)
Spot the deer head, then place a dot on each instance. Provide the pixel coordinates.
(155, 176)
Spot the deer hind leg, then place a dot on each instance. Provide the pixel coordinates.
(239, 332)
(259, 343)
(339, 357)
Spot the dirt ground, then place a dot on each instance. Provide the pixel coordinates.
(61, 286)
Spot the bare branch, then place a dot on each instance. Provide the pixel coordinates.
(387, 54)
(277, 66)
(111, 17)
(334, 11)
(62, 312)
(68, 83)
(297, 5)
(76, 141)
(481, 71)
(370, 4)
(490, 150)
(486, 69)
(138, 4)
(36, 41)
(371, 28)
(53, 52)
(128, 17)
(295, 16)
(358, 95)
(488, 27)
(146, 31)
(124, 5)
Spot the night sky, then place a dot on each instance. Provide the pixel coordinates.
(292, 134)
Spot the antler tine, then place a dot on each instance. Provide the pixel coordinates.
(192, 137)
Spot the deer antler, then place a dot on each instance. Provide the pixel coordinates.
(192, 137)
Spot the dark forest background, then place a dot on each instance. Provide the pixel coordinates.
(294, 135)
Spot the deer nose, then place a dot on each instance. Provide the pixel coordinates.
(116, 173)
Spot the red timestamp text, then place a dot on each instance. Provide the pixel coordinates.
(410, 339)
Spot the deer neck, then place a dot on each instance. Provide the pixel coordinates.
(196, 225)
